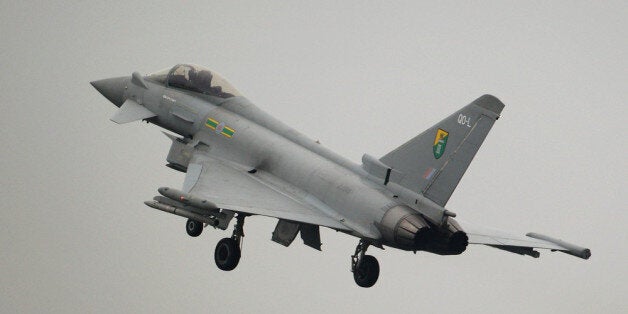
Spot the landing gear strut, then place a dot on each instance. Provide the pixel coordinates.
(365, 268)
(228, 252)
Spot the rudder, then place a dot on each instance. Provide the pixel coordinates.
(433, 162)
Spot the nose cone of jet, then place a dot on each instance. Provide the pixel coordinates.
(112, 88)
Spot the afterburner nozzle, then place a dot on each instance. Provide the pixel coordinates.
(404, 228)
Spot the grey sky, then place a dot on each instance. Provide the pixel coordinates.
(360, 77)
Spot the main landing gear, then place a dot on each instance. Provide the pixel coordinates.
(227, 253)
(365, 268)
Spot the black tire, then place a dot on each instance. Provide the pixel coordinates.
(194, 227)
(227, 254)
(366, 275)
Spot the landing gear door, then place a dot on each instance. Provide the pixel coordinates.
(285, 232)
(311, 236)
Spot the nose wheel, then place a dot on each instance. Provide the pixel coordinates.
(365, 268)
(227, 254)
(194, 227)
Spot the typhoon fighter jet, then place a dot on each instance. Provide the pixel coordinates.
(239, 161)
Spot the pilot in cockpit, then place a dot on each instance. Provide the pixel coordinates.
(196, 79)
(202, 80)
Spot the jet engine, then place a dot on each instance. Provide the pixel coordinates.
(450, 241)
(405, 228)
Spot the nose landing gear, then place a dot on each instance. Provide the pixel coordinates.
(194, 227)
(365, 268)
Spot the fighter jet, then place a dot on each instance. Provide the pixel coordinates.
(239, 161)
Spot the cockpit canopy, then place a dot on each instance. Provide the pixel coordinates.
(195, 79)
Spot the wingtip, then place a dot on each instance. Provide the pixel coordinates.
(571, 249)
(585, 254)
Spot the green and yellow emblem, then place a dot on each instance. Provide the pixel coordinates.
(440, 141)
(219, 127)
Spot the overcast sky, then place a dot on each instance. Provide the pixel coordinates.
(75, 236)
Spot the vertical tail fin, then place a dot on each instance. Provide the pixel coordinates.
(433, 162)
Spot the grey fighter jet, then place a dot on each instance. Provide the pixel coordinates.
(239, 161)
